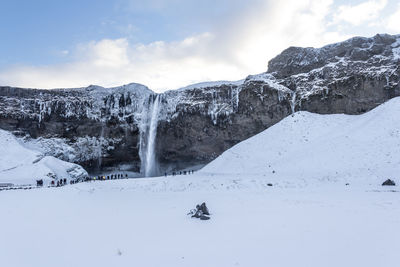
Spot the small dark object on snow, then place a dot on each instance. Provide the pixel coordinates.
(269, 184)
(347, 183)
(200, 212)
(203, 208)
(389, 182)
(39, 182)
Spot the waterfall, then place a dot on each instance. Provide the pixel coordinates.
(150, 164)
(293, 102)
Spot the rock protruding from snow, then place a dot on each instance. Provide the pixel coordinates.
(389, 182)
(295, 60)
(201, 212)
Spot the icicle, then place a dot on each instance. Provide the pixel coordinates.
(100, 147)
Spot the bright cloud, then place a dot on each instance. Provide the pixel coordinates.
(232, 50)
(393, 22)
(357, 14)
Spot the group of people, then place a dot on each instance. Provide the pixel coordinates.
(63, 181)
(111, 177)
(180, 173)
(59, 182)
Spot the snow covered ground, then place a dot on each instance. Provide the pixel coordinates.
(21, 165)
(308, 217)
(143, 222)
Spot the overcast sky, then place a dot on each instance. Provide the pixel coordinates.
(167, 44)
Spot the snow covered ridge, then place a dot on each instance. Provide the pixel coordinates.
(210, 84)
(315, 71)
(307, 147)
(295, 60)
(20, 165)
(92, 102)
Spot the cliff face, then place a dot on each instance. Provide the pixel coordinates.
(92, 126)
(99, 127)
(349, 77)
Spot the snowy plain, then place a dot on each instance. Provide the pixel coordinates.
(326, 206)
(118, 223)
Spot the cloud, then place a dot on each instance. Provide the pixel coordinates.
(358, 14)
(233, 49)
(393, 22)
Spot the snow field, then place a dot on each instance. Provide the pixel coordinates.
(116, 223)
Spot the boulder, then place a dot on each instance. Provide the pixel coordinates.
(389, 182)
(200, 212)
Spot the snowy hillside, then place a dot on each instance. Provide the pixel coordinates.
(312, 147)
(21, 165)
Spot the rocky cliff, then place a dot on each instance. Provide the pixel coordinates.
(105, 127)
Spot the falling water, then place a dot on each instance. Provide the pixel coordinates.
(150, 160)
(293, 102)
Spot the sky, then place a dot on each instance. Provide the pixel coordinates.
(168, 44)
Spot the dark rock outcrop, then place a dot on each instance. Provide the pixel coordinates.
(99, 127)
(201, 212)
(389, 182)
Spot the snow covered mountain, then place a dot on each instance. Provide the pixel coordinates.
(21, 165)
(311, 147)
(99, 127)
